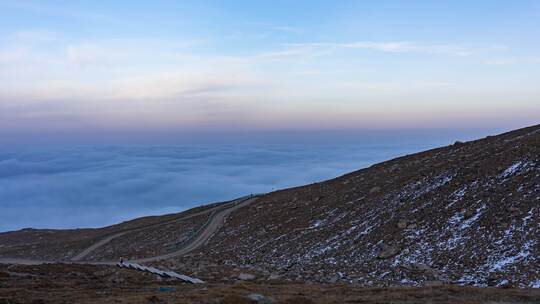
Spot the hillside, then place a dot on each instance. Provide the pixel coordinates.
(65, 245)
(467, 214)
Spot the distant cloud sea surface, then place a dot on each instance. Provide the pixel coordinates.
(93, 186)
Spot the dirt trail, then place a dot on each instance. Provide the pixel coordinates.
(215, 222)
(22, 261)
(83, 254)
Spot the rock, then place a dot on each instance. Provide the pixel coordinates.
(429, 271)
(299, 300)
(387, 251)
(235, 299)
(421, 267)
(402, 224)
(259, 298)
(393, 168)
(374, 190)
(154, 300)
(274, 277)
(116, 278)
(333, 280)
(246, 277)
(101, 273)
(433, 283)
(512, 209)
(165, 289)
(468, 213)
(411, 226)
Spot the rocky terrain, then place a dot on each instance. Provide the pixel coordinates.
(61, 283)
(465, 214)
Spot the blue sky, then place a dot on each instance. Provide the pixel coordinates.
(140, 68)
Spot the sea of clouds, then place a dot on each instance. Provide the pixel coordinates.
(92, 186)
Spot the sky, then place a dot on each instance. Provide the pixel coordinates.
(170, 71)
(115, 109)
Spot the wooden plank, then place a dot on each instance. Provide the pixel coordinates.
(170, 274)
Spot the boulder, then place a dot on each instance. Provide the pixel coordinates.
(402, 224)
(246, 277)
(235, 299)
(421, 267)
(429, 271)
(433, 283)
(375, 189)
(259, 299)
(411, 226)
(387, 251)
(274, 277)
(468, 213)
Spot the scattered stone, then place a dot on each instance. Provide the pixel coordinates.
(402, 224)
(387, 251)
(259, 299)
(333, 280)
(429, 271)
(513, 210)
(154, 300)
(433, 283)
(299, 300)
(468, 213)
(165, 289)
(375, 190)
(235, 299)
(411, 226)
(274, 277)
(393, 168)
(246, 277)
(116, 278)
(421, 267)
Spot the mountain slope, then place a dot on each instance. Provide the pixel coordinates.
(467, 213)
(136, 238)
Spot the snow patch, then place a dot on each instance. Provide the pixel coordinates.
(467, 223)
(522, 254)
(516, 168)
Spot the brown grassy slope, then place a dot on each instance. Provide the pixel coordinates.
(62, 244)
(106, 284)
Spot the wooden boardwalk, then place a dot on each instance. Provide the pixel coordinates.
(161, 273)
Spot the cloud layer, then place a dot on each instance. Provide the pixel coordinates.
(92, 186)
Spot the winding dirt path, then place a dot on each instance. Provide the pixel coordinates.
(83, 254)
(214, 223)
